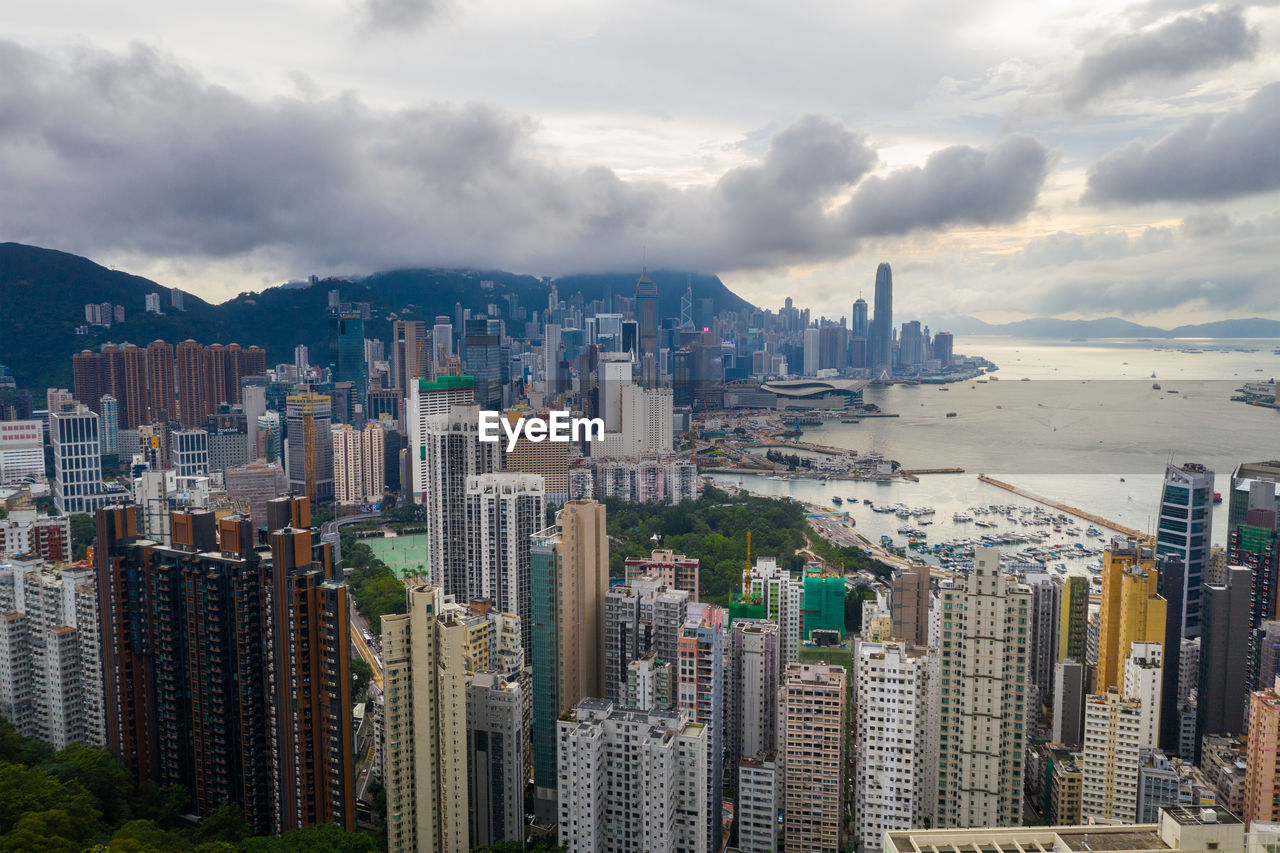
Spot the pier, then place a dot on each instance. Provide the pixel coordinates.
(1061, 507)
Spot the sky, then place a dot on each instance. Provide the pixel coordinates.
(1008, 159)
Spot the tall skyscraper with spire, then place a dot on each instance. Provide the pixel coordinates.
(646, 311)
(880, 347)
(860, 327)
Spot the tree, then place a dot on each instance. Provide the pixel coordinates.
(44, 812)
(313, 839)
(83, 532)
(101, 774)
(226, 823)
(361, 675)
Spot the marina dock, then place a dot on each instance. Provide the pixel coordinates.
(1061, 507)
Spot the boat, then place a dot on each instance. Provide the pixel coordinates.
(951, 414)
(1171, 391)
(961, 516)
(849, 421)
(837, 500)
(867, 501)
(1155, 386)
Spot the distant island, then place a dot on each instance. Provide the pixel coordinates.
(1109, 327)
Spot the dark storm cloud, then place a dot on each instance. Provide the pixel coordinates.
(1204, 39)
(957, 185)
(397, 15)
(1206, 159)
(133, 153)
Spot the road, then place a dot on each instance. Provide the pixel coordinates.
(358, 623)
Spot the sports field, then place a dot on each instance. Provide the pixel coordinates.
(404, 555)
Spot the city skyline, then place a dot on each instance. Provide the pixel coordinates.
(1113, 153)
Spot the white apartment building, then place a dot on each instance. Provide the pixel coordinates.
(895, 740)
(503, 510)
(50, 664)
(496, 771)
(25, 531)
(782, 595)
(359, 464)
(982, 696)
(631, 781)
(759, 804)
(1118, 726)
(752, 695)
(21, 452)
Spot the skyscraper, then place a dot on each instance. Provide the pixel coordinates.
(641, 617)
(812, 741)
(1254, 541)
(358, 464)
(701, 695)
(193, 400)
(309, 424)
(646, 313)
(751, 697)
(425, 734)
(982, 720)
(1183, 530)
(346, 352)
(161, 399)
(1262, 770)
(879, 344)
(569, 578)
(77, 461)
(896, 780)
(859, 325)
(909, 604)
(503, 511)
(1132, 609)
(1221, 695)
(496, 771)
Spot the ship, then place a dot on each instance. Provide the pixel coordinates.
(1155, 386)
(951, 414)
(837, 500)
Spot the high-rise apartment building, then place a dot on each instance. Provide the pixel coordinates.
(358, 464)
(1074, 611)
(309, 460)
(672, 570)
(782, 596)
(759, 805)
(425, 768)
(895, 741)
(410, 354)
(445, 450)
(547, 459)
(1070, 687)
(569, 578)
(700, 696)
(50, 666)
(77, 461)
(496, 771)
(26, 532)
(254, 484)
(1046, 623)
(226, 669)
(812, 735)
(503, 511)
(1254, 541)
(161, 390)
(641, 616)
(1132, 611)
(909, 605)
(1183, 530)
(983, 694)
(1262, 768)
(631, 781)
(1224, 641)
(751, 697)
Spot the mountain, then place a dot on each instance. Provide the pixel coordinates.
(1108, 327)
(43, 293)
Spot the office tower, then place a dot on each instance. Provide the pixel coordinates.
(895, 783)
(300, 356)
(670, 569)
(109, 419)
(812, 734)
(1045, 636)
(503, 510)
(1070, 686)
(782, 596)
(909, 604)
(701, 696)
(50, 666)
(24, 531)
(811, 360)
(859, 326)
(646, 313)
(1224, 641)
(879, 342)
(225, 671)
(496, 770)
(445, 450)
(425, 737)
(944, 347)
(1074, 611)
(358, 464)
(161, 393)
(77, 461)
(21, 452)
(1183, 530)
(1132, 609)
(442, 339)
(569, 576)
(641, 617)
(646, 421)
(911, 347)
(1262, 767)
(346, 351)
(254, 484)
(410, 354)
(1254, 541)
(983, 719)
(482, 355)
(190, 448)
(309, 425)
(751, 695)
(635, 781)
(614, 374)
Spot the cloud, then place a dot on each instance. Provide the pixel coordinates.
(1066, 247)
(134, 154)
(1206, 159)
(398, 15)
(957, 185)
(1189, 43)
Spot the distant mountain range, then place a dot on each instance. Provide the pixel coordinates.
(43, 293)
(1108, 327)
